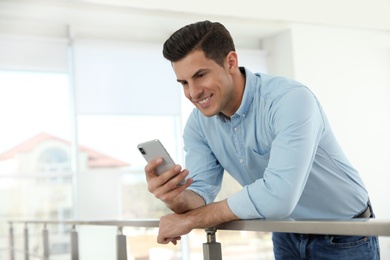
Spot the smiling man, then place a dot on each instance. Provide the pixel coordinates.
(209, 86)
(271, 134)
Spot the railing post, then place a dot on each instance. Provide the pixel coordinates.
(121, 250)
(11, 242)
(74, 243)
(45, 235)
(212, 249)
(26, 246)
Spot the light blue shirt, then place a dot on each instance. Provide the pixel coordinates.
(279, 146)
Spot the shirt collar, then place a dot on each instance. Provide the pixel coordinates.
(247, 98)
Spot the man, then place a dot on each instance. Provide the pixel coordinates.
(272, 136)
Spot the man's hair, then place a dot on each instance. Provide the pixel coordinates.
(210, 37)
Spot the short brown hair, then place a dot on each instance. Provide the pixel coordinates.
(210, 37)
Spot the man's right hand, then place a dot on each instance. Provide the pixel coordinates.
(166, 186)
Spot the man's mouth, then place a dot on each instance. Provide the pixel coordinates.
(204, 101)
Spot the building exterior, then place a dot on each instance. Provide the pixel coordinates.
(41, 168)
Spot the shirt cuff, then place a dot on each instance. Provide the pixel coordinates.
(241, 205)
(201, 194)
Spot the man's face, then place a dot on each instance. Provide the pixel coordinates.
(206, 84)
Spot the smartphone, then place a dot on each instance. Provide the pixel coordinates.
(154, 148)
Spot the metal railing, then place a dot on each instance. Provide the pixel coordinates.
(211, 248)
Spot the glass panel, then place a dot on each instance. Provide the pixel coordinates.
(34, 147)
(32, 103)
(141, 244)
(35, 178)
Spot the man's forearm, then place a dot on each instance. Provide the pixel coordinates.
(210, 215)
(188, 200)
(173, 226)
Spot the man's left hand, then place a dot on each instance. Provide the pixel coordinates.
(172, 227)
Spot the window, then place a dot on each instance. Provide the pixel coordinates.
(116, 137)
(54, 159)
(35, 131)
(35, 181)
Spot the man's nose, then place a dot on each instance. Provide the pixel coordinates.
(195, 91)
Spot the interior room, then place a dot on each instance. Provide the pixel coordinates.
(82, 82)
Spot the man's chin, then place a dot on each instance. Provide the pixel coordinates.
(208, 113)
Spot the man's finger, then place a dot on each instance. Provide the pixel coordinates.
(151, 166)
(169, 240)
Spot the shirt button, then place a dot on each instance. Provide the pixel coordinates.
(241, 160)
(236, 129)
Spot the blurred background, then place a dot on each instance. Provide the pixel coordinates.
(83, 82)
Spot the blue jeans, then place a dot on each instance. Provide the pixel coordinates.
(290, 246)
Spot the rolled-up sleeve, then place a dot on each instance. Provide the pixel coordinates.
(242, 205)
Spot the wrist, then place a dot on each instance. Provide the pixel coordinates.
(185, 201)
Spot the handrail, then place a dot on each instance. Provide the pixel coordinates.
(150, 223)
(364, 227)
(212, 249)
(369, 227)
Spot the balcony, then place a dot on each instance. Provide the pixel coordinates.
(212, 249)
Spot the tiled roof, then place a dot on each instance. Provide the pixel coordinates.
(95, 158)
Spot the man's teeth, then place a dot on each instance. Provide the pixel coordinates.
(203, 100)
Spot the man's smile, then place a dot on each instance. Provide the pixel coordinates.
(204, 101)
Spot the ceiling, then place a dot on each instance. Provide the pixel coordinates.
(154, 20)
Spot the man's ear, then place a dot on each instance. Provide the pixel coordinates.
(232, 60)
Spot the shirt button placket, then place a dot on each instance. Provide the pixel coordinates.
(237, 143)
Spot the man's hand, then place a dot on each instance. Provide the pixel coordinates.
(165, 187)
(172, 227)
